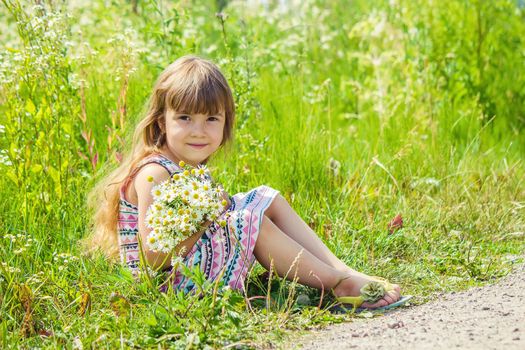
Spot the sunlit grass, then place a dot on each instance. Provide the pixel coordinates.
(355, 113)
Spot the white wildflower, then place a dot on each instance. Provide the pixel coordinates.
(36, 278)
(4, 158)
(151, 272)
(77, 343)
(180, 206)
(19, 251)
(10, 237)
(176, 260)
(9, 269)
(334, 165)
(64, 259)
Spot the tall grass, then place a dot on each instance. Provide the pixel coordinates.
(354, 112)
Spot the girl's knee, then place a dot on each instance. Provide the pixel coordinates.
(265, 223)
(276, 206)
(267, 228)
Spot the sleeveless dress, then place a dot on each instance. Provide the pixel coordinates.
(221, 252)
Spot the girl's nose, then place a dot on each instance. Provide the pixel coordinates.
(198, 128)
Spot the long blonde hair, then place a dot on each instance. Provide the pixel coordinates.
(191, 85)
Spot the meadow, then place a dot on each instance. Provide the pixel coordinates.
(356, 111)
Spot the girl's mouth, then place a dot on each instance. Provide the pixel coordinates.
(197, 145)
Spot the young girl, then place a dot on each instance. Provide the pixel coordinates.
(191, 116)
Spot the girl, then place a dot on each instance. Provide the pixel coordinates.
(191, 116)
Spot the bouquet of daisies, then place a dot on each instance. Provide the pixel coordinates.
(181, 205)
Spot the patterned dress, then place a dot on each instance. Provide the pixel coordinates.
(221, 252)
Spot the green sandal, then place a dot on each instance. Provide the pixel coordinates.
(370, 292)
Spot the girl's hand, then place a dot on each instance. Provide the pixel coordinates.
(184, 247)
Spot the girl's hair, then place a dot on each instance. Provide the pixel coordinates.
(190, 85)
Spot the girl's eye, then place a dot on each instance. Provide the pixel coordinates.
(184, 117)
(213, 119)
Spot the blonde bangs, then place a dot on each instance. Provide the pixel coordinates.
(200, 89)
(198, 98)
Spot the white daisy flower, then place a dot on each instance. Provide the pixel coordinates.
(180, 207)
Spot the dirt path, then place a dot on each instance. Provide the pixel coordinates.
(491, 317)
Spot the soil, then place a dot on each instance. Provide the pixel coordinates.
(489, 317)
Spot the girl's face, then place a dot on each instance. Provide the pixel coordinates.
(192, 137)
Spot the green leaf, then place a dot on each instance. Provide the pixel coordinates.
(119, 304)
(38, 115)
(64, 165)
(30, 107)
(12, 176)
(55, 175)
(234, 317)
(66, 127)
(12, 150)
(150, 320)
(36, 168)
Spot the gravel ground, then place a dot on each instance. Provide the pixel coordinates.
(490, 317)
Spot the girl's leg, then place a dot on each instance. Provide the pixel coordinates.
(283, 215)
(290, 259)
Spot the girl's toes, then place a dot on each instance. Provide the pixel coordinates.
(367, 305)
(397, 288)
(389, 298)
(393, 295)
(373, 305)
(380, 303)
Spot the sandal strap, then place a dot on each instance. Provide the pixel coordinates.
(339, 282)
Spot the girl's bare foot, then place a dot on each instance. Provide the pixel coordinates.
(352, 284)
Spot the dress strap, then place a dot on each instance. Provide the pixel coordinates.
(157, 158)
(160, 159)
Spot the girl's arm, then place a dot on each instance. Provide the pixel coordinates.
(143, 188)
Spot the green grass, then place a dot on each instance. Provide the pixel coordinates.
(420, 105)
